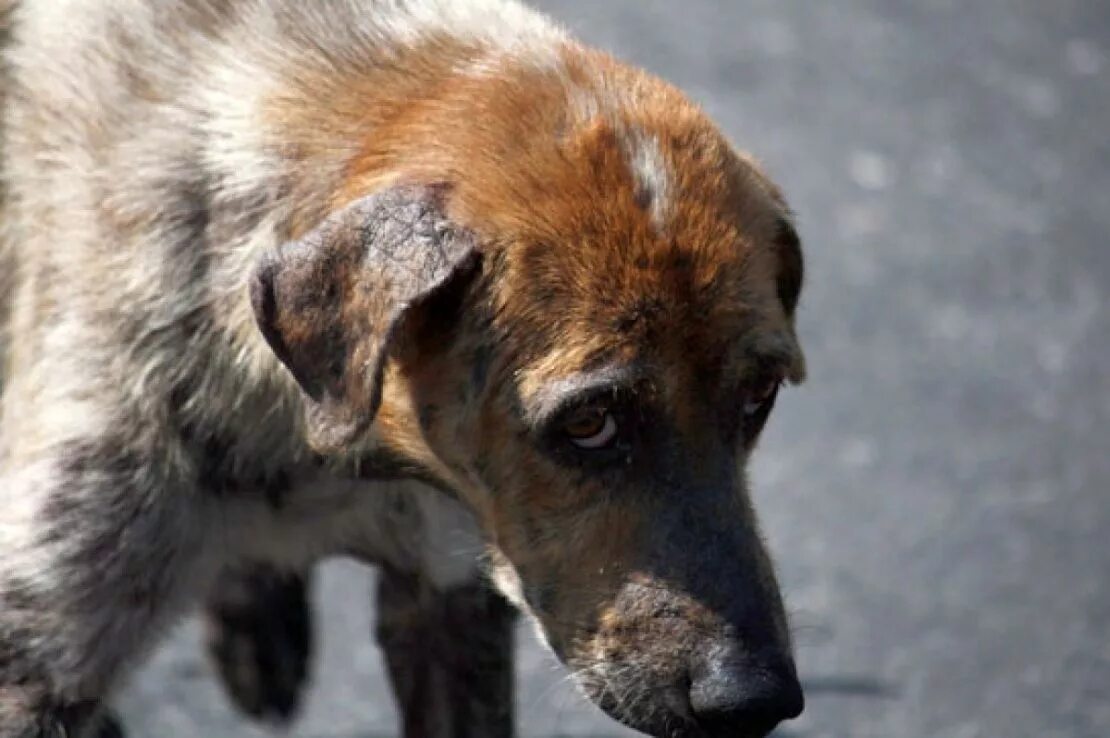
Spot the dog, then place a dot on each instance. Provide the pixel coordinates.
(267, 255)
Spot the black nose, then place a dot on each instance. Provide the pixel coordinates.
(746, 696)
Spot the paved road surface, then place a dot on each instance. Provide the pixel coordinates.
(938, 494)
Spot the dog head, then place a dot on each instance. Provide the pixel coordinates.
(574, 307)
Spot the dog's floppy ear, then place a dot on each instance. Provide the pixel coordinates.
(331, 304)
(788, 283)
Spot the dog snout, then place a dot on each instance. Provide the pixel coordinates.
(700, 675)
(747, 696)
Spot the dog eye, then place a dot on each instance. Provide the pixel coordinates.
(760, 393)
(591, 428)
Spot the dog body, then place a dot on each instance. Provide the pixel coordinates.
(268, 254)
(110, 376)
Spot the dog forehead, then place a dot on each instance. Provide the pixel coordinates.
(592, 151)
(613, 213)
(630, 184)
(652, 236)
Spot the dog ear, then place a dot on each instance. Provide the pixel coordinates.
(788, 247)
(333, 303)
(788, 283)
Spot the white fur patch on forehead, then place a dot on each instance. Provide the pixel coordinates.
(651, 176)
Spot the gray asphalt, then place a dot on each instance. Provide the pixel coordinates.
(937, 495)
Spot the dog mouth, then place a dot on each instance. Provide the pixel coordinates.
(661, 712)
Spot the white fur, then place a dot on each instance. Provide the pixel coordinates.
(651, 174)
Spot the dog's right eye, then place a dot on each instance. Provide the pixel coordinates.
(591, 428)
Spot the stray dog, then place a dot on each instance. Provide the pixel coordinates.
(269, 253)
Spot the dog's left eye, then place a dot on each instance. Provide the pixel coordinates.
(591, 428)
(760, 393)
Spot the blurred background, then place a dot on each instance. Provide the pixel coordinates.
(937, 494)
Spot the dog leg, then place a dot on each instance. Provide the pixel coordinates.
(259, 636)
(110, 727)
(449, 656)
(99, 538)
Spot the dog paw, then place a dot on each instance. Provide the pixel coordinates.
(108, 726)
(259, 637)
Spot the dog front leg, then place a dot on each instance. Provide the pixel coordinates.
(449, 655)
(98, 545)
(259, 637)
